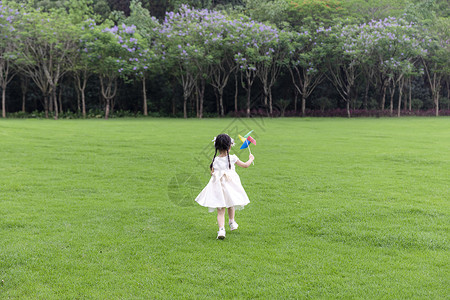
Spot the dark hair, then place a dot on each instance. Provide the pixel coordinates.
(222, 143)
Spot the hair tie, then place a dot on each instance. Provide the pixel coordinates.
(232, 140)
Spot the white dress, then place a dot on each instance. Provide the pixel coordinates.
(224, 188)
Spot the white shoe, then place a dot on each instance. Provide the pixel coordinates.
(221, 234)
(233, 226)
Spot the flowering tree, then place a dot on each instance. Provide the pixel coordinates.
(82, 62)
(306, 60)
(394, 44)
(142, 59)
(107, 50)
(345, 57)
(218, 41)
(436, 63)
(273, 57)
(179, 49)
(48, 41)
(82, 16)
(9, 19)
(257, 58)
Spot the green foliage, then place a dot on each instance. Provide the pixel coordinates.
(314, 13)
(261, 38)
(272, 11)
(365, 11)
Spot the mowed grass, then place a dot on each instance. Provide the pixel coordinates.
(95, 209)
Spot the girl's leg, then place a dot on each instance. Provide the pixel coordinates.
(231, 213)
(221, 217)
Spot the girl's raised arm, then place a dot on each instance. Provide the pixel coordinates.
(246, 164)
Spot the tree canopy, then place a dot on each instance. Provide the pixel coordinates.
(169, 58)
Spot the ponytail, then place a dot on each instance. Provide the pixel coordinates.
(228, 155)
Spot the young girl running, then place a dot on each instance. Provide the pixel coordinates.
(224, 189)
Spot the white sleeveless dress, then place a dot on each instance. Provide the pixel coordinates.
(224, 188)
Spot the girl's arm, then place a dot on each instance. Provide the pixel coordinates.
(246, 164)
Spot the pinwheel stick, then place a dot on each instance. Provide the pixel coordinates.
(250, 151)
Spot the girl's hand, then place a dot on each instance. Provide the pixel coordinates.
(246, 164)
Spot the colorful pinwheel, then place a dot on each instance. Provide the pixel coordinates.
(246, 140)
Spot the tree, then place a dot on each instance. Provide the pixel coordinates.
(192, 40)
(48, 41)
(315, 13)
(108, 52)
(257, 58)
(272, 11)
(394, 44)
(142, 60)
(9, 23)
(273, 50)
(436, 63)
(345, 58)
(82, 16)
(306, 62)
(178, 46)
(82, 66)
(365, 11)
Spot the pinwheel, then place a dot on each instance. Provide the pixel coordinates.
(246, 140)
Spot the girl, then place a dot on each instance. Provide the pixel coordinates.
(224, 189)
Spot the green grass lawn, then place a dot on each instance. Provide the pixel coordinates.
(340, 208)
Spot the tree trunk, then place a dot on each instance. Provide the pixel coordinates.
(270, 103)
(24, 88)
(216, 94)
(83, 104)
(266, 96)
(448, 95)
(50, 102)
(60, 99)
(55, 102)
(410, 95)
(108, 92)
(197, 102)
(435, 85)
(222, 111)
(436, 101)
(303, 105)
(185, 105)
(391, 103)
(400, 94)
(236, 93)
(107, 109)
(144, 94)
(3, 102)
(249, 89)
(81, 87)
(46, 106)
(295, 99)
(200, 115)
(366, 94)
(348, 109)
(383, 97)
(78, 100)
(23, 102)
